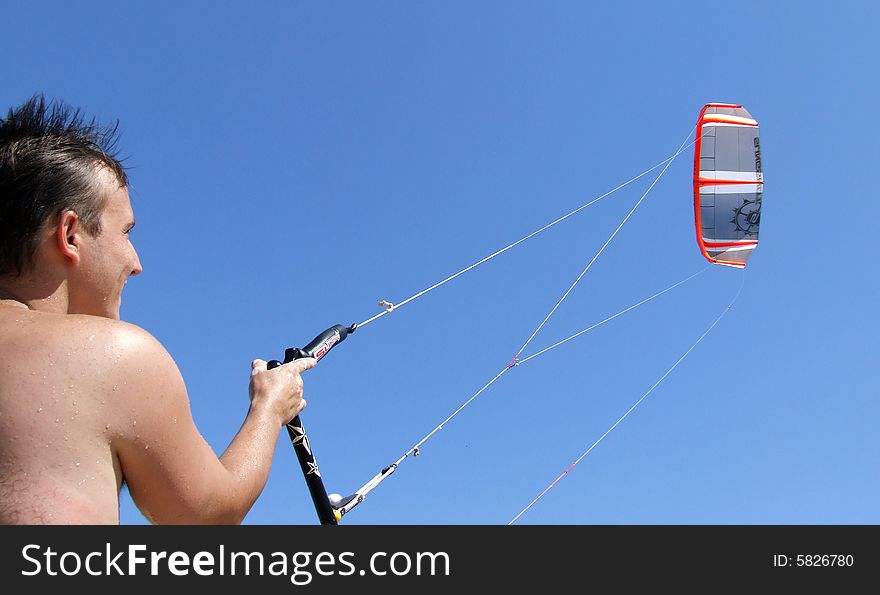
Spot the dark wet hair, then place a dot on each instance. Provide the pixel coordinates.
(49, 160)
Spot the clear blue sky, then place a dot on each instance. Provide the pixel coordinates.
(292, 163)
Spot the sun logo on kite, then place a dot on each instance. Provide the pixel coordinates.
(747, 217)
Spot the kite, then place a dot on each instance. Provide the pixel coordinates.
(728, 184)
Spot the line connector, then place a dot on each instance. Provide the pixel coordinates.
(513, 362)
(389, 307)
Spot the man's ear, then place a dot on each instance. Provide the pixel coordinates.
(67, 236)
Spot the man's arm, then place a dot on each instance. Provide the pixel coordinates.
(173, 475)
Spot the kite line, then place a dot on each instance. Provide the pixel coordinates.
(636, 404)
(344, 505)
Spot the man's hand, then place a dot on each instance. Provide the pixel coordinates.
(279, 390)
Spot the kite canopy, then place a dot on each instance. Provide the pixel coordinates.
(728, 184)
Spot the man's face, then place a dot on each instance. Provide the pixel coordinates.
(107, 259)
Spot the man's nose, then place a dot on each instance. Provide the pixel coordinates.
(137, 268)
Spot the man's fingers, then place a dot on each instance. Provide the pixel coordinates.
(297, 366)
(301, 365)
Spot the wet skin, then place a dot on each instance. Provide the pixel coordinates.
(88, 402)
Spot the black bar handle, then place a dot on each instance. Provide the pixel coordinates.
(318, 348)
(309, 465)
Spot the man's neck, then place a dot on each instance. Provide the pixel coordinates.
(39, 296)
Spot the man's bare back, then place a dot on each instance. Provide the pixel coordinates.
(60, 412)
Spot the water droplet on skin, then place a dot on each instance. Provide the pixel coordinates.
(134, 423)
(40, 410)
(77, 464)
(175, 420)
(57, 420)
(115, 387)
(91, 337)
(106, 427)
(66, 438)
(147, 447)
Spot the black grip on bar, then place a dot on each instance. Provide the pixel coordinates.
(307, 461)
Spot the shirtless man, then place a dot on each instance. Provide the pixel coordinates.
(87, 401)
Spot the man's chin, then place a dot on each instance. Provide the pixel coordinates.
(110, 315)
(101, 312)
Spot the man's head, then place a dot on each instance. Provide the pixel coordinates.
(61, 185)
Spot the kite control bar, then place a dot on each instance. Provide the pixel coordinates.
(318, 348)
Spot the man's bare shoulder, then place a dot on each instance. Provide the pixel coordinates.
(93, 327)
(115, 337)
(88, 343)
